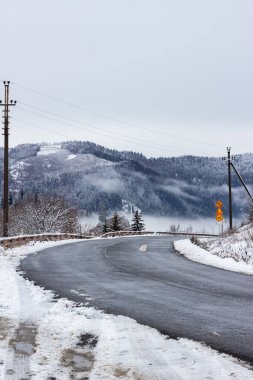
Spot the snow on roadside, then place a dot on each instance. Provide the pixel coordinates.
(200, 255)
(237, 245)
(231, 252)
(42, 338)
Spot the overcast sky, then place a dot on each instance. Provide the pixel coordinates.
(161, 77)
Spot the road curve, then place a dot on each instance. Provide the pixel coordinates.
(145, 279)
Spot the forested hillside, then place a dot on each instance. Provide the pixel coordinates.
(95, 178)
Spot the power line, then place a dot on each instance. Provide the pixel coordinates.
(113, 118)
(42, 128)
(71, 120)
(123, 137)
(71, 137)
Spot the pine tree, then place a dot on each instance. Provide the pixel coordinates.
(36, 199)
(105, 227)
(137, 220)
(21, 193)
(10, 199)
(115, 223)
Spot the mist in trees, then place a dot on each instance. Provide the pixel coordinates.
(116, 223)
(168, 186)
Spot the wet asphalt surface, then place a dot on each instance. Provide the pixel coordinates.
(157, 287)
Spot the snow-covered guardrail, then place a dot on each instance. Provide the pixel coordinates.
(126, 233)
(15, 241)
(185, 234)
(160, 233)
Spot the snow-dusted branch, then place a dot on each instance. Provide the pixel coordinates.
(43, 215)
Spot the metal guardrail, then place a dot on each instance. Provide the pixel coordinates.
(16, 241)
(186, 234)
(126, 233)
(161, 233)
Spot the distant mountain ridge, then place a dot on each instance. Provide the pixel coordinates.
(96, 178)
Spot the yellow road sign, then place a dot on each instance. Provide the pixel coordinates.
(219, 204)
(219, 218)
(219, 211)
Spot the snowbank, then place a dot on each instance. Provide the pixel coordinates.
(233, 252)
(200, 255)
(238, 245)
(42, 338)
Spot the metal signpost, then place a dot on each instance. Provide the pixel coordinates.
(219, 216)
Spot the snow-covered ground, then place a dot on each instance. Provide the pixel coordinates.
(71, 156)
(17, 168)
(47, 149)
(200, 255)
(238, 245)
(232, 252)
(44, 338)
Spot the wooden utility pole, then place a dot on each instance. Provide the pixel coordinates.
(230, 189)
(6, 123)
(229, 159)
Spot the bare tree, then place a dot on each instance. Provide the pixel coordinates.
(174, 228)
(42, 215)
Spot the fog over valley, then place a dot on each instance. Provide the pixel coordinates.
(95, 179)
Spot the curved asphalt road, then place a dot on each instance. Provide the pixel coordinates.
(157, 287)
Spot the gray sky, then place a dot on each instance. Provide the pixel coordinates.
(170, 75)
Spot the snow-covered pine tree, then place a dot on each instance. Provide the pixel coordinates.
(105, 227)
(115, 223)
(137, 220)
